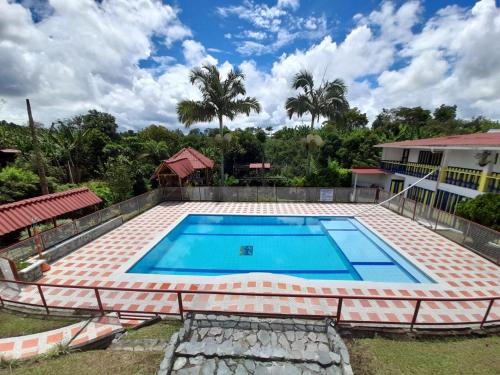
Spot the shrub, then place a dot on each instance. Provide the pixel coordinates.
(17, 183)
(484, 209)
(102, 190)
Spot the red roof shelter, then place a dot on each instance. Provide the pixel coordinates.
(19, 215)
(187, 164)
(259, 166)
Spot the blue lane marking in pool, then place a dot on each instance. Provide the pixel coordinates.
(332, 248)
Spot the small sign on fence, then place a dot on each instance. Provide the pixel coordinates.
(326, 195)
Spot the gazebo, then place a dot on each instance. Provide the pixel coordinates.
(188, 166)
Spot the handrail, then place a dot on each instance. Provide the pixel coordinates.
(182, 309)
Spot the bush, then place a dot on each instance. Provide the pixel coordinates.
(102, 190)
(17, 183)
(484, 209)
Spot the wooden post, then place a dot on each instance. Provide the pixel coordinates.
(38, 154)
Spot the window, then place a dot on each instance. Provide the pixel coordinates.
(406, 153)
(430, 158)
(397, 186)
(447, 201)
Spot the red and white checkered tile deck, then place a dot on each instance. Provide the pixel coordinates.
(75, 335)
(459, 273)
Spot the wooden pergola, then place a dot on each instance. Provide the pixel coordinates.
(188, 166)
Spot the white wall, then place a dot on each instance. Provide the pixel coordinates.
(392, 153)
(366, 180)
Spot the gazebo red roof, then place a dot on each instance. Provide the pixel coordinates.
(18, 215)
(184, 162)
(260, 166)
(196, 158)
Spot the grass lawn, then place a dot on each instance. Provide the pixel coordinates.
(161, 330)
(98, 362)
(17, 325)
(472, 356)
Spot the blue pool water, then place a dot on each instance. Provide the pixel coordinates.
(328, 248)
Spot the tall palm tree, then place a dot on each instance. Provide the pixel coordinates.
(327, 100)
(220, 99)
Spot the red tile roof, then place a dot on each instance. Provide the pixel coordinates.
(196, 158)
(18, 215)
(181, 167)
(260, 166)
(184, 162)
(476, 139)
(368, 170)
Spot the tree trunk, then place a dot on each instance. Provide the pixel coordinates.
(38, 153)
(71, 179)
(312, 122)
(221, 126)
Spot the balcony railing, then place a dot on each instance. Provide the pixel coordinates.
(410, 169)
(493, 183)
(464, 177)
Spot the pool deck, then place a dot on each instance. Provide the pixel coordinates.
(458, 272)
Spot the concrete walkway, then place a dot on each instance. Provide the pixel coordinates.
(76, 335)
(236, 345)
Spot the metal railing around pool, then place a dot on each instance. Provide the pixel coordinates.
(181, 296)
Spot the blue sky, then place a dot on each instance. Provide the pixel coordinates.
(133, 58)
(212, 29)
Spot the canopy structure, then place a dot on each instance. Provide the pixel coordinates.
(368, 170)
(259, 166)
(21, 214)
(186, 165)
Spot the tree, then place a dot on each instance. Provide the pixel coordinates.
(68, 137)
(484, 209)
(445, 113)
(119, 177)
(40, 165)
(220, 99)
(102, 121)
(327, 100)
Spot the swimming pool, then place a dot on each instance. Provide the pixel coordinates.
(328, 248)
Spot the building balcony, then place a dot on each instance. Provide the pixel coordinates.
(464, 177)
(410, 169)
(493, 183)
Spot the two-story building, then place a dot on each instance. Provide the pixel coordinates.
(465, 166)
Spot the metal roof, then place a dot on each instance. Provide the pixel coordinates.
(184, 162)
(18, 215)
(466, 140)
(196, 158)
(368, 170)
(181, 167)
(260, 166)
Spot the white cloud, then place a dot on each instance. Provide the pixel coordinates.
(86, 55)
(276, 24)
(293, 4)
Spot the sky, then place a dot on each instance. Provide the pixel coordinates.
(132, 58)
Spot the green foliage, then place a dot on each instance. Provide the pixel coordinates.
(327, 100)
(102, 190)
(484, 209)
(230, 180)
(17, 184)
(119, 177)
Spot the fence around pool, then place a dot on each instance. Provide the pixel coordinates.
(98, 300)
(480, 239)
(178, 302)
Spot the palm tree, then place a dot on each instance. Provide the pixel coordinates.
(327, 100)
(220, 99)
(67, 139)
